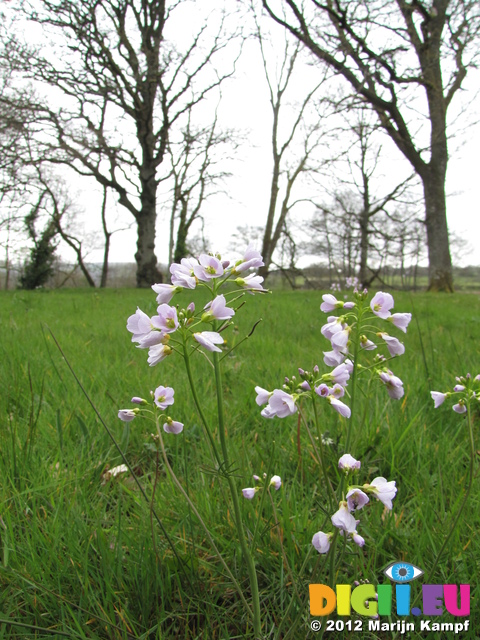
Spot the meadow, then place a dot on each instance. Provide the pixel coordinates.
(81, 555)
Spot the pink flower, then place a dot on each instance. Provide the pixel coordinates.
(305, 386)
(183, 274)
(163, 397)
(459, 408)
(382, 490)
(340, 375)
(322, 390)
(394, 346)
(349, 305)
(340, 339)
(165, 292)
(356, 499)
(358, 539)
(166, 320)
(333, 326)
(137, 400)
(209, 339)
(337, 391)
(400, 320)
(381, 304)
(276, 481)
(438, 398)
(263, 396)
(140, 326)
(252, 281)
(209, 267)
(330, 303)
(348, 463)
(340, 407)
(157, 353)
(333, 358)
(343, 519)
(127, 415)
(217, 309)
(321, 541)
(251, 259)
(367, 344)
(280, 404)
(459, 387)
(249, 493)
(394, 385)
(172, 426)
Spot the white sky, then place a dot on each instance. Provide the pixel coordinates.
(245, 107)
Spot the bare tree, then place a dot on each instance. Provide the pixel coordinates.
(406, 60)
(125, 85)
(293, 143)
(196, 176)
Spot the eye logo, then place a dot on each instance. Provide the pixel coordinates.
(402, 572)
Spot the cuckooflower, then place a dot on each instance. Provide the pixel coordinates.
(280, 404)
(400, 320)
(251, 259)
(217, 309)
(340, 375)
(157, 353)
(381, 303)
(356, 499)
(438, 398)
(263, 396)
(127, 415)
(276, 481)
(163, 397)
(166, 320)
(140, 326)
(321, 541)
(460, 407)
(209, 267)
(382, 490)
(330, 303)
(172, 426)
(358, 539)
(343, 519)
(183, 274)
(394, 346)
(394, 385)
(333, 358)
(348, 463)
(165, 292)
(339, 406)
(367, 344)
(252, 281)
(209, 339)
(249, 493)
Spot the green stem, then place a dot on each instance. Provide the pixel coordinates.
(200, 519)
(462, 506)
(206, 426)
(252, 574)
(331, 492)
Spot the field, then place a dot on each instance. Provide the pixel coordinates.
(82, 556)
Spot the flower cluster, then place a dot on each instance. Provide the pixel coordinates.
(250, 492)
(156, 333)
(162, 398)
(340, 331)
(466, 390)
(356, 498)
(174, 329)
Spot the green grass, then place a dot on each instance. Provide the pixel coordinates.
(78, 557)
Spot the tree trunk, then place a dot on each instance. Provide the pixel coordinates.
(147, 272)
(182, 233)
(362, 274)
(439, 259)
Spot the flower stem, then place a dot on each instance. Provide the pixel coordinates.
(200, 519)
(252, 574)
